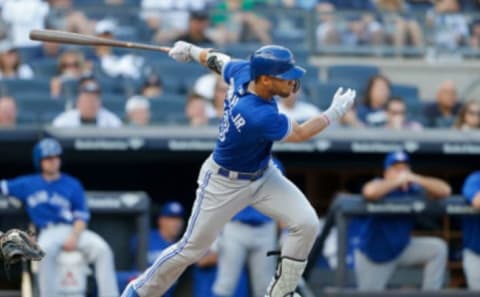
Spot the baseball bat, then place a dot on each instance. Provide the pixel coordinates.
(84, 39)
(26, 287)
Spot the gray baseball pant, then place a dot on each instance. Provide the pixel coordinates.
(94, 248)
(241, 243)
(218, 199)
(471, 267)
(429, 251)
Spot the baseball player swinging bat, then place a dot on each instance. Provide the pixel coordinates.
(84, 39)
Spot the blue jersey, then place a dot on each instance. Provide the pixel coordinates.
(381, 237)
(251, 216)
(49, 202)
(156, 244)
(471, 224)
(250, 124)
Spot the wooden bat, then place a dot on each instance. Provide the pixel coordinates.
(84, 39)
(26, 287)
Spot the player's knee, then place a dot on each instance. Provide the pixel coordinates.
(309, 226)
(440, 248)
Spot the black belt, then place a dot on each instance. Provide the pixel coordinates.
(242, 175)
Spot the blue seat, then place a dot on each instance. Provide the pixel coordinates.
(346, 74)
(409, 93)
(321, 93)
(169, 109)
(16, 87)
(47, 67)
(39, 109)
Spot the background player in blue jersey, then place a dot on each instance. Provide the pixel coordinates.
(471, 232)
(246, 239)
(56, 204)
(385, 241)
(170, 222)
(240, 172)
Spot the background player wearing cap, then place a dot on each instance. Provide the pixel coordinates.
(170, 222)
(56, 204)
(385, 241)
(471, 230)
(240, 172)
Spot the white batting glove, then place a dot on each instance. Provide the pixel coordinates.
(184, 52)
(181, 51)
(341, 103)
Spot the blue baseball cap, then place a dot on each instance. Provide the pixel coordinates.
(394, 158)
(172, 209)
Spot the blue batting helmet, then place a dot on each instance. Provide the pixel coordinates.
(276, 61)
(47, 147)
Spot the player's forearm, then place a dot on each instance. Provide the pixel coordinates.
(435, 187)
(475, 201)
(377, 189)
(78, 227)
(308, 129)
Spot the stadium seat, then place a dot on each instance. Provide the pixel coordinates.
(16, 87)
(321, 93)
(47, 67)
(409, 93)
(351, 74)
(168, 110)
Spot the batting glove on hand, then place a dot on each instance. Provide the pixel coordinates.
(341, 103)
(181, 51)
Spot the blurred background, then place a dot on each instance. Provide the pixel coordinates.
(147, 122)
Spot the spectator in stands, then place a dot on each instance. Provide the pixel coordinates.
(8, 112)
(169, 225)
(212, 87)
(198, 23)
(469, 116)
(296, 108)
(385, 242)
(11, 65)
(235, 21)
(23, 16)
(63, 16)
(471, 227)
(71, 67)
(152, 87)
(304, 4)
(397, 116)
(399, 23)
(442, 112)
(113, 65)
(350, 120)
(354, 29)
(169, 19)
(449, 24)
(137, 110)
(47, 50)
(475, 33)
(88, 111)
(196, 110)
(372, 110)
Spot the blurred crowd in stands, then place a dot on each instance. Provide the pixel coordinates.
(71, 86)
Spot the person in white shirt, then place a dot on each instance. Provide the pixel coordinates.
(297, 109)
(88, 111)
(23, 16)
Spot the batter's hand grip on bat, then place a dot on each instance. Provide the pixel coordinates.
(84, 39)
